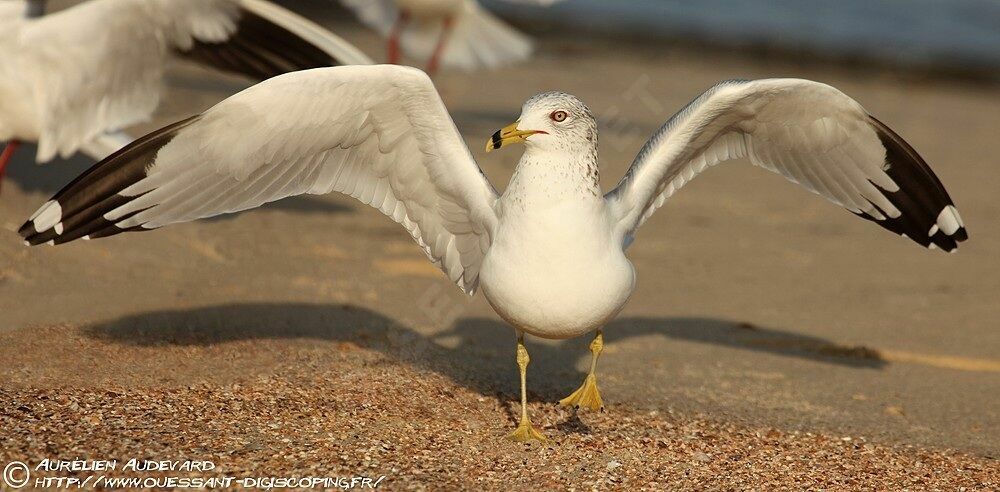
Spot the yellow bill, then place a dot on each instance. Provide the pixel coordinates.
(510, 134)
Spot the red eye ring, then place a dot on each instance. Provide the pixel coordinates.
(558, 116)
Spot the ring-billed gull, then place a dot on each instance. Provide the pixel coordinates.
(549, 253)
(70, 79)
(451, 33)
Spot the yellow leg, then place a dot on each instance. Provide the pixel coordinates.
(525, 431)
(587, 395)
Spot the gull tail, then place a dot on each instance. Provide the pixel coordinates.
(78, 210)
(477, 40)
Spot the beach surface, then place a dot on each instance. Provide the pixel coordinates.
(772, 339)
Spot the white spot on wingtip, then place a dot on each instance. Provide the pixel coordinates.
(957, 216)
(86, 238)
(948, 220)
(27, 243)
(50, 215)
(39, 211)
(59, 228)
(932, 247)
(51, 242)
(933, 231)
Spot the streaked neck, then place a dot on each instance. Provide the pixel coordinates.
(545, 177)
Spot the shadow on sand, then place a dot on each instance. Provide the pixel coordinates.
(474, 352)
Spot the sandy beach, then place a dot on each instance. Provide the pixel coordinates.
(773, 341)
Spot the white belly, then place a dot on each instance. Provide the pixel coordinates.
(557, 275)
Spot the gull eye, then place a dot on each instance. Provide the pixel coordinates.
(558, 116)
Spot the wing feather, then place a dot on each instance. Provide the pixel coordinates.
(378, 133)
(810, 133)
(98, 66)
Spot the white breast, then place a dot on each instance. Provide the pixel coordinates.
(556, 271)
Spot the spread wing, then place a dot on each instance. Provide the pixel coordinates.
(98, 66)
(378, 133)
(808, 132)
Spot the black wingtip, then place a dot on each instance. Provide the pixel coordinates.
(260, 49)
(78, 210)
(928, 215)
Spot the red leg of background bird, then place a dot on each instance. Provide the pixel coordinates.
(8, 153)
(397, 31)
(432, 66)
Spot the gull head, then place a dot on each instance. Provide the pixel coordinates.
(550, 121)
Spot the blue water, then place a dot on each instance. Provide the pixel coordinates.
(944, 33)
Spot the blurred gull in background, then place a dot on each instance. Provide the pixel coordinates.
(451, 33)
(71, 79)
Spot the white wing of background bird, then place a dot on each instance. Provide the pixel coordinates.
(810, 133)
(477, 40)
(105, 144)
(12, 9)
(69, 76)
(378, 133)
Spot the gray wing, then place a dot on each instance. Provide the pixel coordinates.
(380, 134)
(808, 132)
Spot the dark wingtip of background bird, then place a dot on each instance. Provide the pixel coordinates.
(260, 49)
